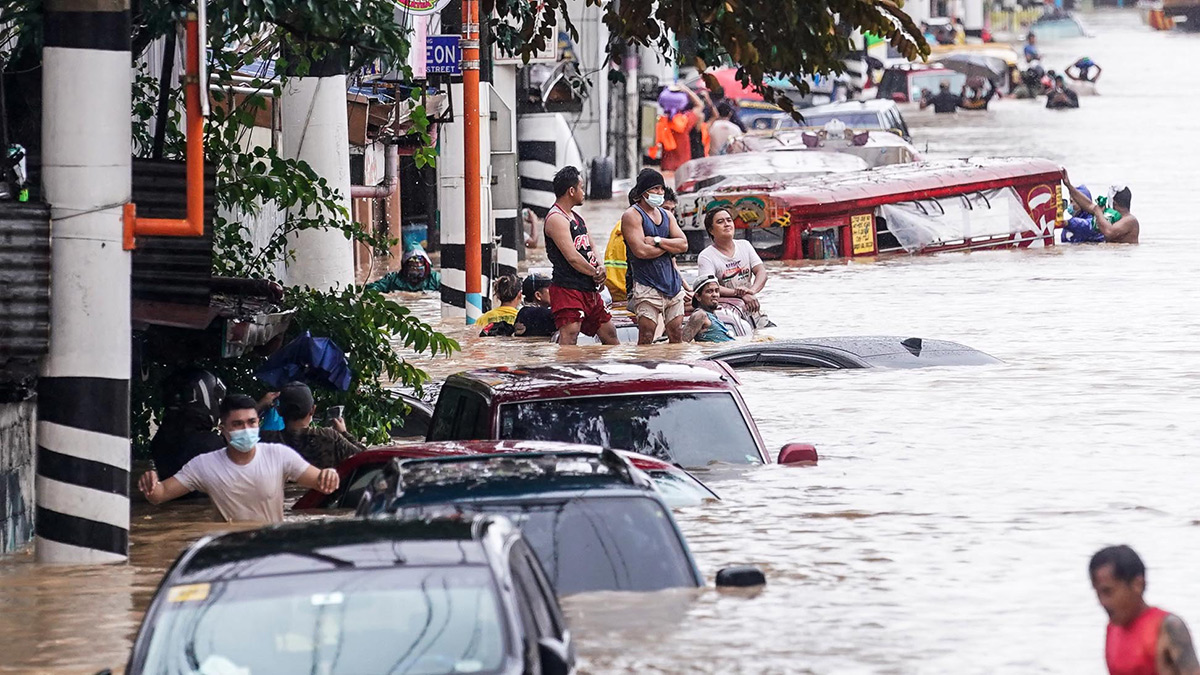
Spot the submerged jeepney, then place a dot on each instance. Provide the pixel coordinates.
(700, 181)
(925, 207)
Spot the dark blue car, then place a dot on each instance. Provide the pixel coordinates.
(594, 520)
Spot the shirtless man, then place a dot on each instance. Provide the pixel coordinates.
(1125, 230)
(1141, 640)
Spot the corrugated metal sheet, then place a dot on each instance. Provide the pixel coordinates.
(24, 282)
(171, 269)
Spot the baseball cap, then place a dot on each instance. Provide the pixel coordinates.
(295, 401)
(533, 283)
(699, 286)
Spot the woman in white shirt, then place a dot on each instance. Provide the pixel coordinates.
(736, 265)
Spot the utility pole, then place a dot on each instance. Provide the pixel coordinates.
(471, 169)
(83, 394)
(315, 129)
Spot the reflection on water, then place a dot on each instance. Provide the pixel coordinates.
(949, 523)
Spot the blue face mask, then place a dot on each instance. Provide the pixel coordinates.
(655, 199)
(243, 440)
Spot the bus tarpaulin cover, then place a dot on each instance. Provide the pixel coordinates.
(950, 220)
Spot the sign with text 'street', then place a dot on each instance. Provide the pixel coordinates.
(443, 55)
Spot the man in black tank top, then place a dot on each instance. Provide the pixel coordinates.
(574, 298)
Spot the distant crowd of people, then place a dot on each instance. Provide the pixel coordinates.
(1037, 81)
(978, 91)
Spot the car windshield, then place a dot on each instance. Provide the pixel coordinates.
(679, 489)
(932, 81)
(691, 429)
(603, 543)
(418, 621)
(854, 120)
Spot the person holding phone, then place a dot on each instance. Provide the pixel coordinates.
(322, 446)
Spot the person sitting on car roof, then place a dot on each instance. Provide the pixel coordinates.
(704, 325)
(323, 447)
(244, 479)
(736, 265)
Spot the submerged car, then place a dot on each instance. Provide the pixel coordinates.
(690, 414)
(677, 486)
(868, 114)
(854, 352)
(904, 84)
(458, 594)
(594, 520)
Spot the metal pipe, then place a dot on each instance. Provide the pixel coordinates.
(471, 162)
(193, 225)
(391, 177)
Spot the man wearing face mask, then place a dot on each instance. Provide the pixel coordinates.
(653, 237)
(244, 479)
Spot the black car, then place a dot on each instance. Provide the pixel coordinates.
(448, 594)
(594, 520)
(853, 352)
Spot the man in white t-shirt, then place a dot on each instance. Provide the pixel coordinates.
(736, 265)
(244, 479)
(722, 130)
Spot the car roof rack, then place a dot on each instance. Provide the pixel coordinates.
(400, 469)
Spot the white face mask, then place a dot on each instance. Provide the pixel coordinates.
(655, 199)
(243, 440)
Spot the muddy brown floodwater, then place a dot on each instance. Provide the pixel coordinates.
(948, 526)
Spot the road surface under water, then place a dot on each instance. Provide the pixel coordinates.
(949, 523)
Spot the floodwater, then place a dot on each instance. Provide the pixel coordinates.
(949, 523)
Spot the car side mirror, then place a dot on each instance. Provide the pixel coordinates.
(740, 576)
(798, 453)
(554, 657)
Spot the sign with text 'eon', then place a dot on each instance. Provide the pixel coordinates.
(443, 55)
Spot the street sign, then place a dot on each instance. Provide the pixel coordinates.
(443, 55)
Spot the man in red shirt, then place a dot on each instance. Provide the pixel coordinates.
(1141, 640)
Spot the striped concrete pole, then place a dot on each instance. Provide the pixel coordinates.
(82, 484)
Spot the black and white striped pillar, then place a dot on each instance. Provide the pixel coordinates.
(545, 144)
(82, 486)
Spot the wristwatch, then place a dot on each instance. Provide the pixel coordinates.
(658, 242)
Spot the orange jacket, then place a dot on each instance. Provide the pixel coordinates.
(665, 131)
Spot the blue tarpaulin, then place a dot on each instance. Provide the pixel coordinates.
(313, 361)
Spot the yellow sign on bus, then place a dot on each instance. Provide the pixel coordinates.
(862, 230)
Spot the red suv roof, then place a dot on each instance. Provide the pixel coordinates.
(592, 378)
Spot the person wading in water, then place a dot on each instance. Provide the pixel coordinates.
(652, 237)
(1125, 230)
(1141, 640)
(577, 275)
